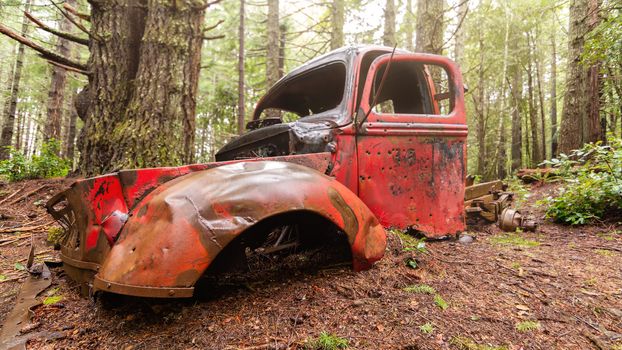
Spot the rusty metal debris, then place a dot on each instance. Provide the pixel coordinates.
(490, 201)
(511, 219)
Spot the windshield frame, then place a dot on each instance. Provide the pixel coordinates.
(336, 114)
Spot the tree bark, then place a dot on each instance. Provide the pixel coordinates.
(517, 132)
(430, 26)
(56, 92)
(533, 120)
(6, 136)
(272, 57)
(241, 103)
(409, 26)
(481, 117)
(139, 105)
(70, 139)
(541, 105)
(388, 37)
(337, 21)
(580, 121)
(460, 34)
(554, 135)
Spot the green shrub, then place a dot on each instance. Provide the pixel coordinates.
(326, 341)
(593, 183)
(46, 164)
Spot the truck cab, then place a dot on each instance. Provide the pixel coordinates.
(393, 122)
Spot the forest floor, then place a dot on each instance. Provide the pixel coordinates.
(557, 288)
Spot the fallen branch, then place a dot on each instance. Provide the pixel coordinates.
(607, 248)
(64, 35)
(28, 194)
(45, 53)
(11, 196)
(24, 228)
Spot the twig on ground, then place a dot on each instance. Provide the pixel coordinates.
(11, 196)
(29, 194)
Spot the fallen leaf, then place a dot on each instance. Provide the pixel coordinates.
(2, 278)
(19, 266)
(52, 300)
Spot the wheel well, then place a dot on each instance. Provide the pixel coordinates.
(313, 232)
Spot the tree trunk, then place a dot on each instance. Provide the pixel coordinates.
(272, 57)
(533, 119)
(6, 136)
(501, 146)
(140, 103)
(430, 26)
(241, 103)
(481, 118)
(517, 132)
(580, 122)
(70, 139)
(460, 34)
(541, 105)
(337, 21)
(388, 37)
(553, 97)
(409, 26)
(596, 128)
(56, 92)
(282, 40)
(21, 114)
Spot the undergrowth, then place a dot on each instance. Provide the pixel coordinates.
(44, 165)
(326, 341)
(592, 187)
(527, 326)
(420, 289)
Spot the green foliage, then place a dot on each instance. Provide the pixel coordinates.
(19, 266)
(55, 234)
(527, 326)
(52, 299)
(2, 278)
(513, 239)
(440, 302)
(410, 243)
(593, 183)
(326, 341)
(426, 328)
(45, 165)
(420, 289)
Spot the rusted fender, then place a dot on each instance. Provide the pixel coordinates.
(174, 234)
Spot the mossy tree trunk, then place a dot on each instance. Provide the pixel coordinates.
(139, 105)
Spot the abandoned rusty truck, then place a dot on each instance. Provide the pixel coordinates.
(360, 139)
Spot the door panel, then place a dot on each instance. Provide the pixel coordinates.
(412, 165)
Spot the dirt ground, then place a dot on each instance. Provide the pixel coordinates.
(557, 288)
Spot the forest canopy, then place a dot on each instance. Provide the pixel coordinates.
(147, 83)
